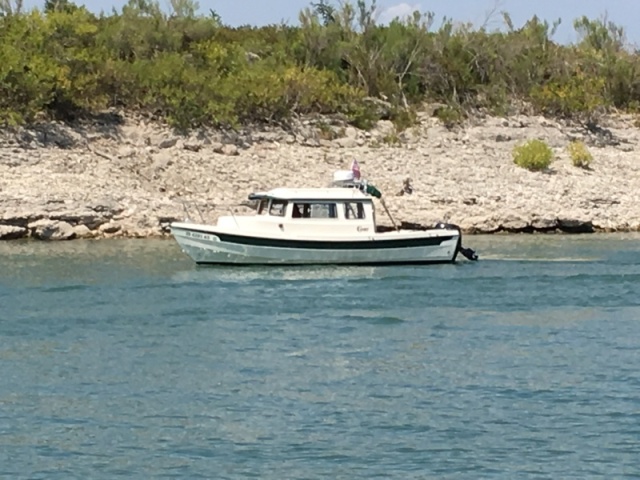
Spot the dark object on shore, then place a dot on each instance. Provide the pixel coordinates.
(407, 188)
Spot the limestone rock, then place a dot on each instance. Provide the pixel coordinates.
(12, 232)
(162, 160)
(89, 219)
(82, 231)
(105, 205)
(252, 57)
(19, 218)
(46, 229)
(479, 224)
(514, 223)
(346, 142)
(126, 152)
(575, 225)
(192, 145)
(168, 142)
(230, 150)
(110, 228)
(350, 132)
(217, 147)
(544, 224)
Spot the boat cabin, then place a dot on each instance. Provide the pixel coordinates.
(310, 211)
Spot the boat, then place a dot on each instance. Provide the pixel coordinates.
(334, 225)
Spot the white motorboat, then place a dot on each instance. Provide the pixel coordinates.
(316, 226)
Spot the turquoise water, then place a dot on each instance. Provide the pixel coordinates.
(122, 359)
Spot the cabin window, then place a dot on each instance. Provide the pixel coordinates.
(263, 207)
(314, 210)
(354, 211)
(278, 208)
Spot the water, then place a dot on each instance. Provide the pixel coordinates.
(121, 359)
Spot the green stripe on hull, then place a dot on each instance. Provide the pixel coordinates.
(327, 245)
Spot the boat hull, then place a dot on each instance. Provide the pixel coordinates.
(208, 246)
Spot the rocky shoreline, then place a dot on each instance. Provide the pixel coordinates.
(123, 177)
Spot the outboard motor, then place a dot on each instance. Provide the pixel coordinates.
(468, 254)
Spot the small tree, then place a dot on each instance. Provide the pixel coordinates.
(60, 6)
(535, 155)
(9, 7)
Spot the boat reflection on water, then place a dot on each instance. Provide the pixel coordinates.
(250, 273)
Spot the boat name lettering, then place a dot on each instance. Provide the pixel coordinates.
(201, 236)
(363, 229)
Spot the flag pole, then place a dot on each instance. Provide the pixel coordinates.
(389, 214)
(355, 168)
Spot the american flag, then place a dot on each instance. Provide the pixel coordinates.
(355, 168)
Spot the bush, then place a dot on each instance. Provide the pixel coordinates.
(449, 116)
(191, 69)
(571, 97)
(403, 119)
(534, 155)
(580, 155)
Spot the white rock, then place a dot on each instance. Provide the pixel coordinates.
(46, 229)
(82, 231)
(110, 228)
(346, 142)
(12, 232)
(230, 150)
(168, 142)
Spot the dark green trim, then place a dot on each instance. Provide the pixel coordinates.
(325, 244)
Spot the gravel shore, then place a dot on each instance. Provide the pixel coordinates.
(130, 178)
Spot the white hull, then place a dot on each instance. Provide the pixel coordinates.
(214, 246)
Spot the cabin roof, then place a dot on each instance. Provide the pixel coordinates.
(331, 193)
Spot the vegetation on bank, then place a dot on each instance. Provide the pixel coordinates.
(579, 154)
(535, 155)
(63, 61)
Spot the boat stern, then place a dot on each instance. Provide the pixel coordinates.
(467, 253)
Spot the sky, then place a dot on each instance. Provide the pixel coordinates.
(625, 13)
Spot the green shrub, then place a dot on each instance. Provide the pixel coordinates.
(392, 139)
(326, 132)
(403, 119)
(580, 155)
(362, 116)
(535, 155)
(449, 116)
(570, 97)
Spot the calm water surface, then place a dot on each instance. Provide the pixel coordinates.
(122, 359)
